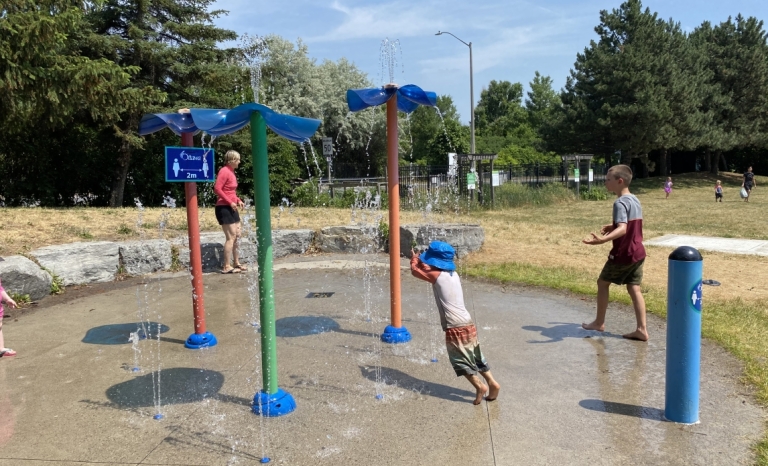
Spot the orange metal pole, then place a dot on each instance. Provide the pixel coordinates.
(195, 259)
(393, 189)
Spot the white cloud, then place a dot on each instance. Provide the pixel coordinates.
(396, 19)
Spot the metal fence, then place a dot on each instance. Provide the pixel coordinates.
(415, 179)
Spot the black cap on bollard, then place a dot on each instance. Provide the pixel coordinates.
(686, 254)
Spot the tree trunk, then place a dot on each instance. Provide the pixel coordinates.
(121, 174)
(123, 162)
(708, 160)
(714, 165)
(725, 164)
(662, 163)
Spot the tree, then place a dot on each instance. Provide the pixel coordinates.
(173, 44)
(49, 93)
(737, 57)
(541, 102)
(631, 90)
(499, 110)
(425, 125)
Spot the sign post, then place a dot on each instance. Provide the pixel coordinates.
(191, 165)
(328, 153)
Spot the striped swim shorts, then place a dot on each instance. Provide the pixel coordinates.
(464, 351)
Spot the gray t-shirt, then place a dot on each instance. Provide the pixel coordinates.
(629, 248)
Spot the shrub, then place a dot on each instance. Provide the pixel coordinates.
(597, 193)
(516, 195)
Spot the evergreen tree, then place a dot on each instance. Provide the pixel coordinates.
(173, 43)
(737, 57)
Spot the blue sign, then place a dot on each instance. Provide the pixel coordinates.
(189, 164)
(696, 296)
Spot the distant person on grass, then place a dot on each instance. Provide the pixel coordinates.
(227, 206)
(668, 187)
(718, 191)
(749, 183)
(5, 352)
(436, 266)
(625, 261)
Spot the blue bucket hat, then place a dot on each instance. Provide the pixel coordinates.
(440, 255)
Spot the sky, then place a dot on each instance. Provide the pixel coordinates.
(511, 39)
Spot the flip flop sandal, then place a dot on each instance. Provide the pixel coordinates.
(232, 270)
(7, 353)
(241, 267)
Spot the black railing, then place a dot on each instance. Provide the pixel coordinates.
(423, 178)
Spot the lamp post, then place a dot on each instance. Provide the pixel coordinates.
(471, 94)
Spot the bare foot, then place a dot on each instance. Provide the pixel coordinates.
(639, 335)
(480, 395)
(493, 391)
(593, 326)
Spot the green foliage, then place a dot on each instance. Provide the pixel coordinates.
(383, 230)
(57, 284)
(499, 111)
(454, 138)
(542, 101)
(519, 195)
(360, 198)
(597, 193)
(423, 127)
(521, 155)
(124, 230)
(21, 299)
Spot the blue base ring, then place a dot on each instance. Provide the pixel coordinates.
(395, 335)
(200, 340)
(274, 405)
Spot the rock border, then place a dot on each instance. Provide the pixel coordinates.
(105, 261)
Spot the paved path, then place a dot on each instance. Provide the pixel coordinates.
(730, 245)
(569, 396)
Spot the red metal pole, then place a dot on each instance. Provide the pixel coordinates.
(195, 259)
(393, 189)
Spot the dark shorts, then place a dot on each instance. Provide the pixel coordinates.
(718, 195)
(748, 186)
(623, 274)
(226, 215)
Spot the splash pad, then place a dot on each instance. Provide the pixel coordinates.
(271, 400)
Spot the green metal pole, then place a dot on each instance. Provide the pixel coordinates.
(264, 237)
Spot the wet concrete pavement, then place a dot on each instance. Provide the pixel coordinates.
(568, 396)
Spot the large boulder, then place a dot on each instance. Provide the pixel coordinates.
(464, 238)
(22, 276)
(285, 242)
(212, 251)
(349, 239)
(143, 257)
(80, 263)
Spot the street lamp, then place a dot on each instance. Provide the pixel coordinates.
(471, 94)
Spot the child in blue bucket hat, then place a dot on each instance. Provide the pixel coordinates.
(436, 266)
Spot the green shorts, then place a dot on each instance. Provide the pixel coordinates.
(623, 274)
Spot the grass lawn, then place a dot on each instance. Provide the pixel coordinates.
(538, 245)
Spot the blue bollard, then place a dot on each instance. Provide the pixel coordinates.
(683, 336)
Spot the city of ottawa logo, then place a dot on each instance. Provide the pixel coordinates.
(696, 296)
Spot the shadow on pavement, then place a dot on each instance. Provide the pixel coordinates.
(301, 326)
(178, 385)
(119, 334)
(563, 330)
(642, 412)
(394, 377)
